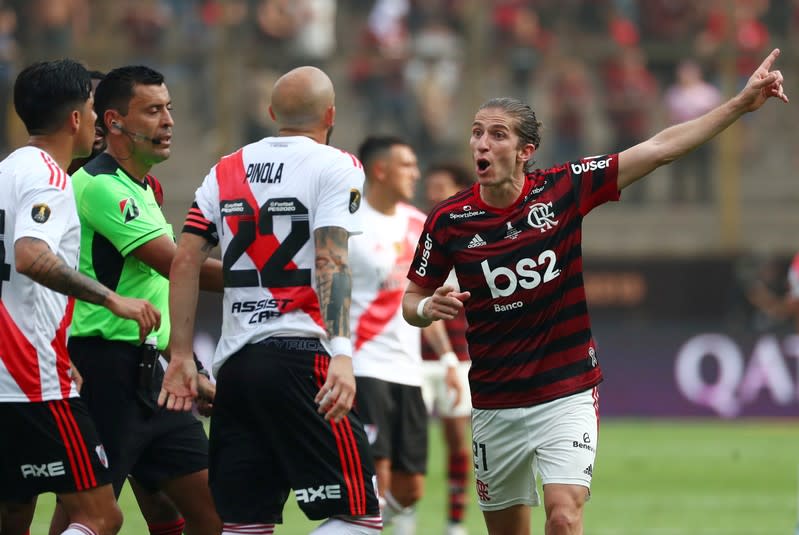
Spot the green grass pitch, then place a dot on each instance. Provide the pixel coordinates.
(652, 477)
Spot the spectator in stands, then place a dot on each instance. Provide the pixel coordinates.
(688, 98)
(631, 94)
(571, 96)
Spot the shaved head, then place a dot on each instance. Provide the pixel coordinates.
(301, 97)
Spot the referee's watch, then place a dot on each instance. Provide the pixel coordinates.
(200, 368)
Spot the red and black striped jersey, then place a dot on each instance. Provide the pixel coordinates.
(529, 334)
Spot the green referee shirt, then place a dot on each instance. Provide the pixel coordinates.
(117, 215)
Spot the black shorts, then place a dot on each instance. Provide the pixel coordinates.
(395, 418)
(151, 444)
(268, 438)
(49, 446)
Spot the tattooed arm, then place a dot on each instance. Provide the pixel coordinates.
(334, 286)
(333, 279)
(35, 260)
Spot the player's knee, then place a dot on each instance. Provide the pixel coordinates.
(109, 522)
(564, 521)
(348, 525)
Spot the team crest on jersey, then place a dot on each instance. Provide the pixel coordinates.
(542, 216)
(129, 209)
(355, 200)
(100, 450)
(40, 212)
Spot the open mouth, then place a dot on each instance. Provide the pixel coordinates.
(483, 164)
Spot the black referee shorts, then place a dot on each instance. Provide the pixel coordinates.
(395, 418)
(267, 438)
(151, 444)
(49, 446)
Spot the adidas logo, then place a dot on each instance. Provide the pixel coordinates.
(477, 241)
(590, 470)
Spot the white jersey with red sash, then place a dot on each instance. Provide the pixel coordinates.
(386, 346)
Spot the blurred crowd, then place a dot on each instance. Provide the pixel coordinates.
(602, 74)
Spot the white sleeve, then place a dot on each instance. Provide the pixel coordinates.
(44, 211)
(340, 195)
(207, 198)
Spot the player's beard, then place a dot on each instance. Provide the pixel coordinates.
(329, 135)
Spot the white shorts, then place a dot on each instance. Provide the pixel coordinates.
(438, 398)
(556, 440)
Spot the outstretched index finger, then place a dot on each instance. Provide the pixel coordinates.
(770, 59)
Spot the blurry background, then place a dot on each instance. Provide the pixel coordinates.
(675, 273)
(601, 74)
(673, 270)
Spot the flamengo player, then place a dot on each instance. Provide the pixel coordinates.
(54, 447)
(282, 210)
(514, 240)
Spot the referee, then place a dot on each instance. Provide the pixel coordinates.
(127, 244)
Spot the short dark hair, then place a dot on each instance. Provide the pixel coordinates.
(116, 88)
(377, 146)
(46, 92)
(460, 175)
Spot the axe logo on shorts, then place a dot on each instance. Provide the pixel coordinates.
(322, 492)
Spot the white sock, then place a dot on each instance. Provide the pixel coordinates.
(247, 529)
(405, 522)
(78, 529)
(389, 507)
(350, 525)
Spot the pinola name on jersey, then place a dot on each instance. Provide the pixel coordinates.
(265, 172)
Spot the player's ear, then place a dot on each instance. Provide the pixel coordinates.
(74, 121)
(330, 116)
(272, 113)
(526, 152)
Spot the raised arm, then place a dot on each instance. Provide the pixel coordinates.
(34, 259)
(677, 140)
(179, 387)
